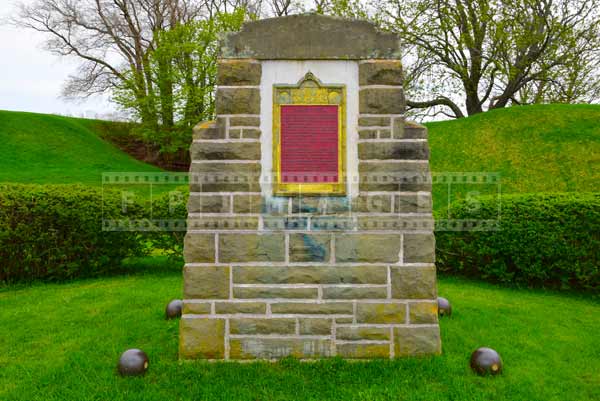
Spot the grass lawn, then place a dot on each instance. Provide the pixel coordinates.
(540, 148)
(49, 149)
(62, 342)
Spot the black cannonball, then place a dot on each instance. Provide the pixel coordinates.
(444, 307)
(486, 361)
(133, 362)
(174, 309)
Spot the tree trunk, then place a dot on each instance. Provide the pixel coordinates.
(165, 87)
(472, 102)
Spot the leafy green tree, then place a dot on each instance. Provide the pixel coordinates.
(155, 57)
(182, 73)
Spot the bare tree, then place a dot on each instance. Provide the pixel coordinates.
(114, 40)
(344, 8)
(492, 51)
(280, 7)
(322, 6)
(156, 58)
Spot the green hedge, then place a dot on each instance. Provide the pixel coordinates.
(549, 240)
(54, 232)
(170, 207)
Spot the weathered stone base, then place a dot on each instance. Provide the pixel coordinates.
(273, 337)
(309, 312)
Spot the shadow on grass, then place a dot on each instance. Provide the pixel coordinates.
(153, 265)
(518, 288)
(158, 266)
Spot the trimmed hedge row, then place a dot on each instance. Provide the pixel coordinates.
(54, 232)
(549, 240)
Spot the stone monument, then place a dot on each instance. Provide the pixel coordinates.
(310, 230)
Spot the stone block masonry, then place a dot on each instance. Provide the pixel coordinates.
(266, 276)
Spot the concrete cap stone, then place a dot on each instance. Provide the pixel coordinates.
(309, 37)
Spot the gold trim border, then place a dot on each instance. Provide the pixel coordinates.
(309, 92)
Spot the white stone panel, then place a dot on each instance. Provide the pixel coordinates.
(290, 72)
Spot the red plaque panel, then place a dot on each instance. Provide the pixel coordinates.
(309, 144)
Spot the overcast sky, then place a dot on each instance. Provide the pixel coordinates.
(31, 78)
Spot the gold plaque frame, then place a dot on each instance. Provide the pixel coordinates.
(309, 91)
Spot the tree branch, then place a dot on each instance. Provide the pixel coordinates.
(439, 101)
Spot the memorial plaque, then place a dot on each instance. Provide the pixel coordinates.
(309, 138)
(309, 144)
